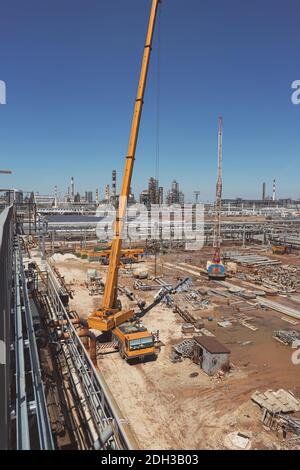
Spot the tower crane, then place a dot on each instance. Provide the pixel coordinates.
(216, 269)
(134, 340)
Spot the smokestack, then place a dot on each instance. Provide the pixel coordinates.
(161, 195)
(114, 184)
(72, 188)
(55, 196)
(274, 190)
(106, 192)
(264, 191)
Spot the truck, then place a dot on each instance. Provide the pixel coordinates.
(135, 342)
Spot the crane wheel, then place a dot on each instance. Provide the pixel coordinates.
(122, 354)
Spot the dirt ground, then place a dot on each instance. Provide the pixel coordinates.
(166, 407)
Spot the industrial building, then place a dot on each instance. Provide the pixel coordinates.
(210, 354)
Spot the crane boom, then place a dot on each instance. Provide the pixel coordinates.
(164, 291)
(216, 269)
(218, 204)
(111, 287)
(110, 306)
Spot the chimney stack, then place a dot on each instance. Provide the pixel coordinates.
(55, 197)
(264, 192)
(106, 192)
(274, 190)
(114, 184)
(72, 188)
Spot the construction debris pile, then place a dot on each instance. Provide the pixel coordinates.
(197, 302)
(289, 337)
(276, 407)
(94, 282)
(286, 423)
(182, 350)
(285, 278)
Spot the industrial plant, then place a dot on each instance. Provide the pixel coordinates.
(145, 317)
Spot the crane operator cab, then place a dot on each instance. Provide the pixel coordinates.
(216, 269)
(135, 341)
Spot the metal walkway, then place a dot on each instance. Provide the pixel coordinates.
(31, 411)
(104, 424)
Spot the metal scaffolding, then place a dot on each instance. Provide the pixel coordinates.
(104, 424)
(6, 262)
(30, 396)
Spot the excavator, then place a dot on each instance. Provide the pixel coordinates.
(135, 341)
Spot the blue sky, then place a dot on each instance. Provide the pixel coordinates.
(71, 68)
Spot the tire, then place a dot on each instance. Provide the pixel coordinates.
(122, 353)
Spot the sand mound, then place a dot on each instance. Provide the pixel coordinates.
(57, 257)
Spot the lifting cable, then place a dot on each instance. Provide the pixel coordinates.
(158, 84)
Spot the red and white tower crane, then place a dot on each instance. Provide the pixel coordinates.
(216, 268)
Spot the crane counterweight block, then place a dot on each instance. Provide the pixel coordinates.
(107, 321)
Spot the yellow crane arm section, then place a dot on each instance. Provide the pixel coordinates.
(111, 286)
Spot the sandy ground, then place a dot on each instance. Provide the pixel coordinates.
(168, 409)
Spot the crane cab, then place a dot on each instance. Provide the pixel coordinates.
(135, 341)
(216, 271)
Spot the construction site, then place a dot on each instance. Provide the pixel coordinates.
(154, 342)
(171, 400)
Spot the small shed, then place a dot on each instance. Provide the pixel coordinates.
(210, 354)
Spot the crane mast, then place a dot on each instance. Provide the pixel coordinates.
(218, 202)
(109, 307)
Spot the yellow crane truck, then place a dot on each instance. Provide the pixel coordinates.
(133, 340)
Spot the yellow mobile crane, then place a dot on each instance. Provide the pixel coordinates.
(134, 340)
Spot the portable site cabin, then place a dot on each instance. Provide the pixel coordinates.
(210, 354)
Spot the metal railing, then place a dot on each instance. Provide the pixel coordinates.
(25, 337)
(104, 422)
(6, 246)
